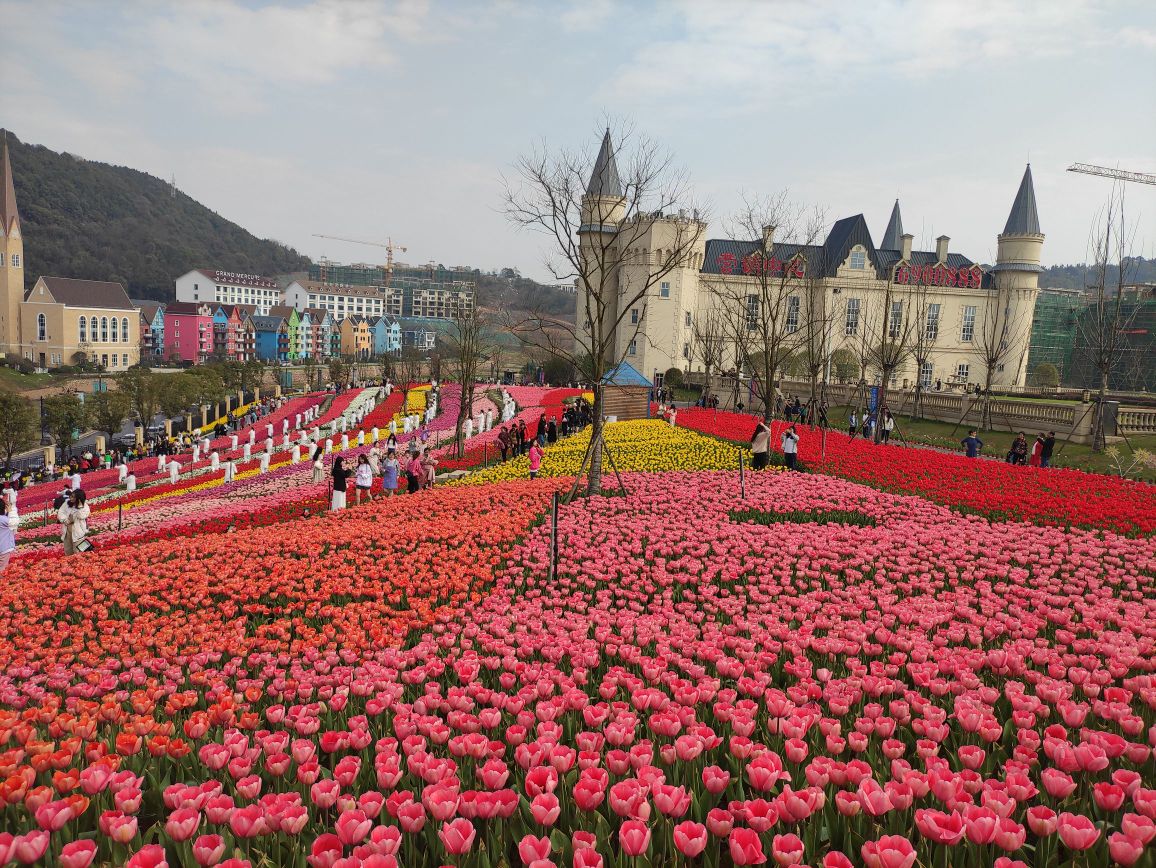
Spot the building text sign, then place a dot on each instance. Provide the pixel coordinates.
(939, 275)
(754, 264)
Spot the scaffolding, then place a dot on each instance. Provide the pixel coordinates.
(1054, 330)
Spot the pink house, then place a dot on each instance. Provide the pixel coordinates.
(188, 331)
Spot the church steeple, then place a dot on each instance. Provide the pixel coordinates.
(11, 256)
(604, 179)
(8, 210)
(893, 234)
(1023, 219)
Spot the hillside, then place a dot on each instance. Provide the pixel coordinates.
(103, 222)
(1140, 270)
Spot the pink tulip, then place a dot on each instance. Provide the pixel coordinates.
(690, 838)
(457, 836)
(208, 850)
(352, 827)
(182, 824)
(634, 837)
(1124, 849)
(545, 809)
(1077, 831)
(587, 857)
(531, 849)
(78, 854)
(890, 851)
(325, 851)
(149, 856)
(29, 847)
(746, 848)
(787, 849)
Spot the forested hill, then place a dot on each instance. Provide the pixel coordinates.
(1138, 270)
(101, 222)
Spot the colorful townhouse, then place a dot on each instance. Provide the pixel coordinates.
(188, 332)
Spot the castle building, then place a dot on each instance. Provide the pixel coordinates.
(951, 306)
(59, 321)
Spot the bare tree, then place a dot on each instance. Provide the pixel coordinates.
(708, 342)
(1103, 324)
(467, 350)
(618, 227)
(765, 290)
(997, 342)
(925, 336)
(893, 340)
(817, 340)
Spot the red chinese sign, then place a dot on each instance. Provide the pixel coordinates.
(754, 264)
(940, 275)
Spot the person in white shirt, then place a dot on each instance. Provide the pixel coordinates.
(888, 426)
(73, 516)
(8, 522)
(760, 446)
(363, 478)
(790, 447)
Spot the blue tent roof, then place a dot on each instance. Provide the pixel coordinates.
(625, 375)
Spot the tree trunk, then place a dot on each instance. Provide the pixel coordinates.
(463, 414)
(594, 473)
(880, 406)
(1099, 436)
(985, 421)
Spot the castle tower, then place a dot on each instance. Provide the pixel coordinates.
(893, 234)
(603, 207)
(11, 258)
(1017, 273)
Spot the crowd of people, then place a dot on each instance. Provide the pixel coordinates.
(1038, 455)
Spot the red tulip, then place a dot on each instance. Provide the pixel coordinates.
(149, 856)
(587, 857)
(325, 851)
(352, 827)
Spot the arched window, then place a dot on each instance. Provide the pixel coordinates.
(82, 325)
(104, 330)
(115, 331)
(124, 329)
(41, 327)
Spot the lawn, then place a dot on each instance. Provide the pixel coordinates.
(13, 380)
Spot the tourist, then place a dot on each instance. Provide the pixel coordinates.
(363, 478)
(429, 466)
(790, 447)
(760, 446)
(535, 459)
(1018, 454)
(1037, 451)
(340, 475)
(318, 467)
(888, 425)
(673, 416)
(868, 429)
(391, 442)
(540, 437)
(523, 441)
(413, 473)
(1048, 448)
(374, 458)
(971, 444)
(552, 430)
(73, 517)
(8, 522)
(852, 425)
(504, 442)
(389, 470)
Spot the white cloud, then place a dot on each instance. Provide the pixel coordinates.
(584, 15)
(775, 48)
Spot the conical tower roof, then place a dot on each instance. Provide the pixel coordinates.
(8, 211)
(604, 179)
(1023, 219)
(894, 231)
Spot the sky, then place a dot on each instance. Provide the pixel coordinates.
(402, 118)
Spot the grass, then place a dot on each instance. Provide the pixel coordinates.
(14, 381)
(804, 516)
(945, 435)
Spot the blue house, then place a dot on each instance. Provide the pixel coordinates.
(272, 336)
(386, 331)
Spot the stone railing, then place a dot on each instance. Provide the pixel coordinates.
(1136, 420)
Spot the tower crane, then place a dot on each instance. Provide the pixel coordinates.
(1115, 174)
(390, 247)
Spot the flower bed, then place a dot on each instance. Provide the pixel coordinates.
(921, 688)
(647, 445)
(990, 488)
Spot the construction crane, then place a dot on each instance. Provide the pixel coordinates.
(1115, 174)
(390, 247)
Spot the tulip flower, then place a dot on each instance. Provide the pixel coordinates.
(457, 836)
(634, 837)
(1077, 831)
(690, 838)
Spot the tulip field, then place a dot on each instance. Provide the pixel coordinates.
(877, 662)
